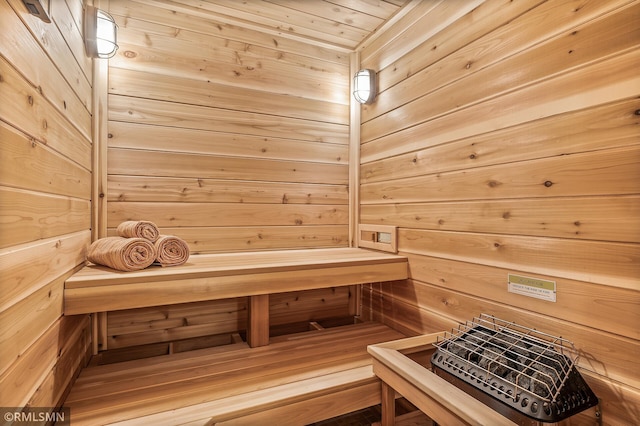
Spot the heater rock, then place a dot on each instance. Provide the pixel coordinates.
(543, 380)
(465, 350)
(495, 361)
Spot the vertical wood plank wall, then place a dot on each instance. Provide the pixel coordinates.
(508, 141)
(45, 198)
(231, 139)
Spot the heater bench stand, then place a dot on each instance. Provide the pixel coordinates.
(440, 400)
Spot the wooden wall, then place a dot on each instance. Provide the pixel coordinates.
(232, 139)
(507, 141)
(45, 198)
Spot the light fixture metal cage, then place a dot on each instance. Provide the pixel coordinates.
(100, 33)
(365, 86)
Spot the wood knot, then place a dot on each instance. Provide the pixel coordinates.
(548, 184)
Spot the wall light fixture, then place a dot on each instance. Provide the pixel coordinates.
(364, 86)
(100, 33)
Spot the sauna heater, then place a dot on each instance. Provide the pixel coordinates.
(528, 376)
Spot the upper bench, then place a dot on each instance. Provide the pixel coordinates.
(227, 275)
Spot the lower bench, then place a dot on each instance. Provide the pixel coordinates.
(296, 379)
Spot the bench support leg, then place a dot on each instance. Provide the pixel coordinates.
(355, 295)
(388, 405)
(98, 332)
(258, 327)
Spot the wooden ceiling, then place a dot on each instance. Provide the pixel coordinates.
(340, 24)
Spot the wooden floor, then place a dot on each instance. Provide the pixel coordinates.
(188, 382)
(407, 415)
(365, 417)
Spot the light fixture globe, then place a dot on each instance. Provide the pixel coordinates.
(364, 86)
(100, 33)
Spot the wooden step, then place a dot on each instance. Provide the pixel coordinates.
(329, 370)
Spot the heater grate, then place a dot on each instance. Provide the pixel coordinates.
(532, 372)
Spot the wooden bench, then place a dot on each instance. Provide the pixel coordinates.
(296, 380)
(98, 290)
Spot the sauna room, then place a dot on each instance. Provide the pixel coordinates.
(320, 212)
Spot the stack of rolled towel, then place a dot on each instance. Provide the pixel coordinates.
(138, 245)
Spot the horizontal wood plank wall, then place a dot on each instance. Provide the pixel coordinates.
(195, 320)
(229, 138)
(45, 199)
(232, 139)
(508, 142)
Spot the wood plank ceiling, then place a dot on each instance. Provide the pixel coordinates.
(342, 24)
